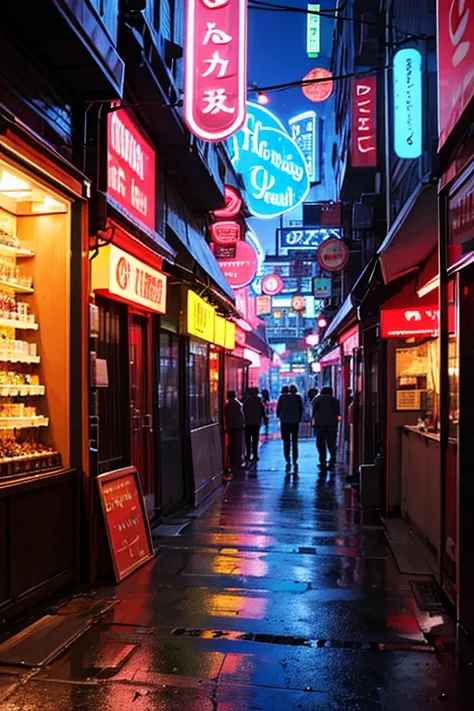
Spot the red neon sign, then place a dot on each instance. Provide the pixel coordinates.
(455, 62)
(130, 168)
(364, 122)
(333, 255)
(233, 203)
(226, 232)
(215, 77)
(402, 323)
(272, 284)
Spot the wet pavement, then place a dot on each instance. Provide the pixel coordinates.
(280, 592)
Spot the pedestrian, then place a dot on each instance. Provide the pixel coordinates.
(254, 413)
(234, 423)
(266, 404)
(290, 411)
(326, 417)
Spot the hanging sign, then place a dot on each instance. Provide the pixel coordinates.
(313, 34)
(233, 203)
(298, 303)
(333, 255)
(303, 238)
(130, 169)
(272, 284)
(455, 62)
(273, 167)
(321, 90)
(364, 122)
(126, 520)
(241, 270)
(117, 274)
(407, 104)
(305, 133)
(226, 232)
(215, 73)
(322, 287)
(264, 305)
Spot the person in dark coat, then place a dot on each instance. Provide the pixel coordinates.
(290, 411)
(254, 413)
(326, 416)
(234, 423)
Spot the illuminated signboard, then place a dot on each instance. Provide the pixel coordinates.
(321, 89)
(115, 273)
(264, 305)
(233, 203)
(407, 104)
(322, 287)
(305, 132)
(225, 232)
(400, 323)
(333, 255)
(203, 322)
(364, 122)
(273, 167)
(303, 238)
(313, 32)
(272, 284)
(242, 269)
(215, 73)
(130, 169)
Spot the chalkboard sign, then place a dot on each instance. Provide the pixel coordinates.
(126, 521)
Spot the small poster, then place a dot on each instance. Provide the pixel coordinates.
(322, 287)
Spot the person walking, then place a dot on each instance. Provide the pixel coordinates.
(290, 412)
(326, 417)
(254, 413)
(234, 423)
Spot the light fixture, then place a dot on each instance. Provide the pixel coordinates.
(430, 286)
(322, 322)
(13, 187)
(262, 98)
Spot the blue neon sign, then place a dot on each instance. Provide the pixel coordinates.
(407, 100)
(273, 167)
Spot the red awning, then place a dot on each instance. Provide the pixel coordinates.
(331, 358)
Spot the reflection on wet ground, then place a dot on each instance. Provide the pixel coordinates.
(280, 592)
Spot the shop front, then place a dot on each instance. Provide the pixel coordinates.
(237, 366)
(43, 371)
(210, 337)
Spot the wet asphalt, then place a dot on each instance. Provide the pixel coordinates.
(279, 593)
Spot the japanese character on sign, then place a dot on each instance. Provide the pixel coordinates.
(215, 36)
(216, 99)
(213, 63)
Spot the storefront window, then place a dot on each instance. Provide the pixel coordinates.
(417, 381)
(453, 366)
(34, 325)
(199, 384)
(214, 385)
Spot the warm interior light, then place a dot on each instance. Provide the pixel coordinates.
(49, 204)
(12, 186)
(430, 286)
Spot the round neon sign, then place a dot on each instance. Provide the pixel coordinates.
(320, 91)
(272, 284)
(333, 255)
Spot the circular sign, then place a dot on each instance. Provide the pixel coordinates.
(298, 303)
(333, 255)
(272, 284)
(241, 270)
(319, 91)
(123, 273)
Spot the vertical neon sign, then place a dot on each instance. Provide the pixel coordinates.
(407, 98)
(215, 80)
(364, 122)
(313, 32)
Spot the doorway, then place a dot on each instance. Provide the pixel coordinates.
(141, 407)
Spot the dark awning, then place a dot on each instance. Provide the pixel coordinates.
(412, 237)
(253, 340)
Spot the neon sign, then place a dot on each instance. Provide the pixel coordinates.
(233, 203)
(318, 91)
(273, 167)
(364, 122)
(407, 99)
(399, 323)
(313, 33)
(304, 131)
(215, 74)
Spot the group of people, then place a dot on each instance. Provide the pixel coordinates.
(249, 416)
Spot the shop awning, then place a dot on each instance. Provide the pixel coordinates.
(412, 237)
(343, 313)
(331, 358)
(254, 341)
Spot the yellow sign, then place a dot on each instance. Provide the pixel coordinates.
(201, 318)
(219, 331)
(117, 273)
(229, 335)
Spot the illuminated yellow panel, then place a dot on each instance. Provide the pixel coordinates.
(219, 331)
(201, 318)
(229, 336)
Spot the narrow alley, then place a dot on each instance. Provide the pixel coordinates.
(280, 591)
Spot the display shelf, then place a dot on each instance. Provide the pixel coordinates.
(18, 252)
(19, 324)
(21, 390)
(29, 464)
(18, 358)
(16, 287)
(21, 423)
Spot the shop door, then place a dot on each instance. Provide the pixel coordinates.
(140, 404)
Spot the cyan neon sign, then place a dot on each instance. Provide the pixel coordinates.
(408, 118)
(273, 167)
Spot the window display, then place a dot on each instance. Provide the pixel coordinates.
(34, 237)
(417, 381)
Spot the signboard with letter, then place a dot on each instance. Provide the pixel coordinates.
(264, 305)
(272, 284)
(364, 122)
(303, 238)
(306, 134)
(400, 323)
(333, 255)
(407, 104)
(131, 169)
(273, 167)
(313, 32)
(215, 67)
(119, 275)
(322, 287)
(126, 520)
(241, 270)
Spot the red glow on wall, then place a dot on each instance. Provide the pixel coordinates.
(215, 75)
(364, 122)
(233, 203)
(130, 168)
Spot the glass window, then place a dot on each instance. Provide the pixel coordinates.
(417, 380)
(214, 385)
(199, 385)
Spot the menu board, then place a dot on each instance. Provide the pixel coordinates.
(126, 520)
